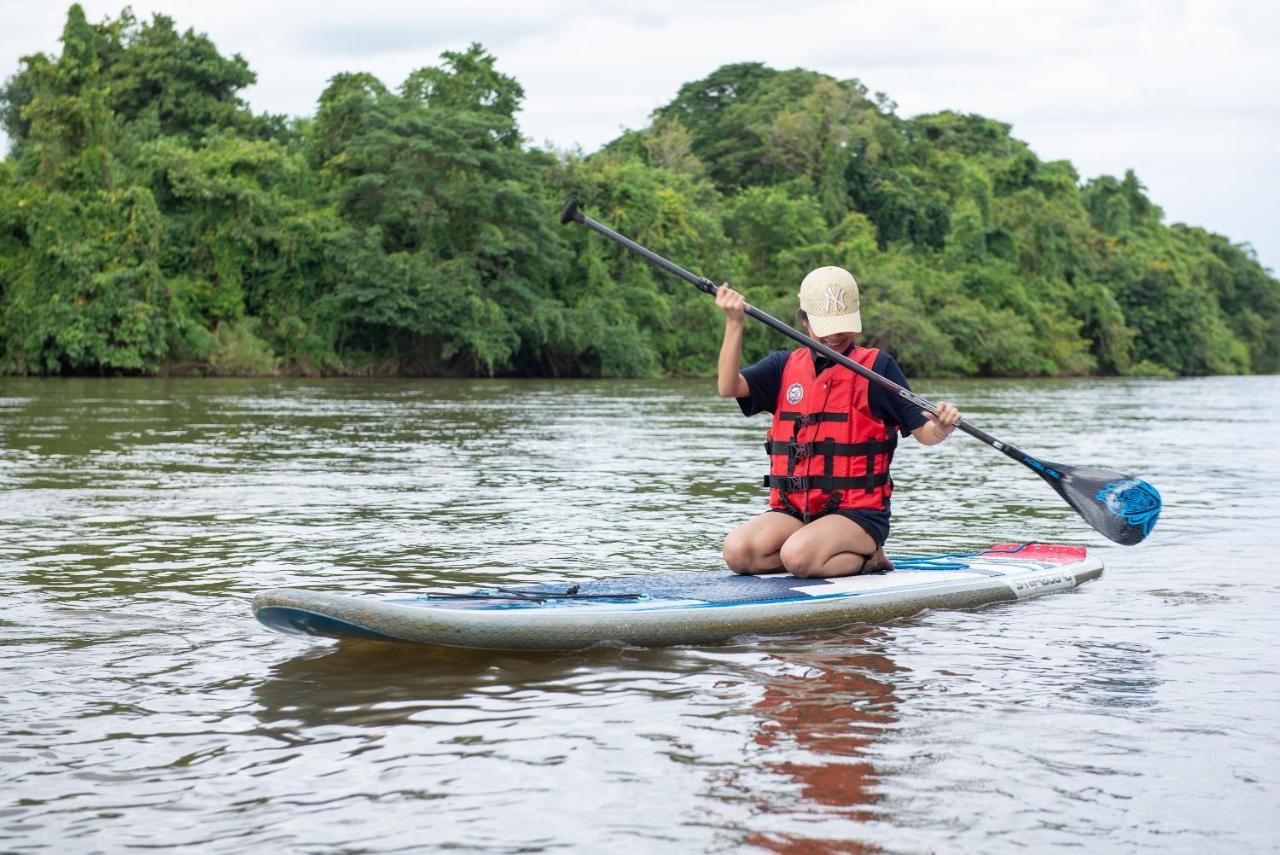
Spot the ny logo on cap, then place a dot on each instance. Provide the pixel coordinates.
(835, 300)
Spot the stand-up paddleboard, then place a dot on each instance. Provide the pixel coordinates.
(692, 607)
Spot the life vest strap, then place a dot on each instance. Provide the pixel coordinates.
(833, 502)
(845, 449)
(826, 483)
(813, 418)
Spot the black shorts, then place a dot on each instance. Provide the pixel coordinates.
(874, 523)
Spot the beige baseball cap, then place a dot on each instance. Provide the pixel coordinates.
(829, 297)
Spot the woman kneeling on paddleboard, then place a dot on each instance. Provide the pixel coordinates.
(831, 441)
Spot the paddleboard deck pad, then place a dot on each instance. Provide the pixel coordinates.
(690, 607)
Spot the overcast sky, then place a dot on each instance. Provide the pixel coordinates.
(1185, 93)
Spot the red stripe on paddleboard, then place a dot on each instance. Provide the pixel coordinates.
(1052, 552)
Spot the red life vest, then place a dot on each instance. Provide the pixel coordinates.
(826, 450)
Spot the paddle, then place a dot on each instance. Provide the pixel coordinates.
(1121, 507)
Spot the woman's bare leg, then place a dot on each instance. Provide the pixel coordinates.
(832, 546)
(755, 547)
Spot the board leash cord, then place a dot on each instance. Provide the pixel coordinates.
(571, 593)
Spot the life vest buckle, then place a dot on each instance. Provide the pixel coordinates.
(795, 483)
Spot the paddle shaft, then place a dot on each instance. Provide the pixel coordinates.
(704, 284)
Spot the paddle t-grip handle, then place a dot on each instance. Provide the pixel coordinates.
(570, 212)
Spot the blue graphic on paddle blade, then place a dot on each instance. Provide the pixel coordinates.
(1137, 502)
(1041, 467)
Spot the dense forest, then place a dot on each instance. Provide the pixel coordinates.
(151, 223)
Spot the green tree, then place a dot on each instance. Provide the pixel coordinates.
(172, 84)
(436, 178)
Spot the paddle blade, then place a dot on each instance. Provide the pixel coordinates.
(1122, 507)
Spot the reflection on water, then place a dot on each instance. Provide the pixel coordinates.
(372, 684)
(144, 708)
(819, 714)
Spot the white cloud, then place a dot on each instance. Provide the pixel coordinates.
(1186, 92)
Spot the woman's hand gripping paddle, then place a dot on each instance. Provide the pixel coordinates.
(1121, 507)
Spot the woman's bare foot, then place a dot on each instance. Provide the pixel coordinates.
(877, 563)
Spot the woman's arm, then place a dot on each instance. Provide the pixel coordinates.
(939, 426)
(729, 380)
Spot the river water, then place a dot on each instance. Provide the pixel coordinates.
(144, 708)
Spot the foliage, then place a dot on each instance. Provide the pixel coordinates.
(151, 223)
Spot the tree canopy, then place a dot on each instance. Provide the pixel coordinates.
(151, 223)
